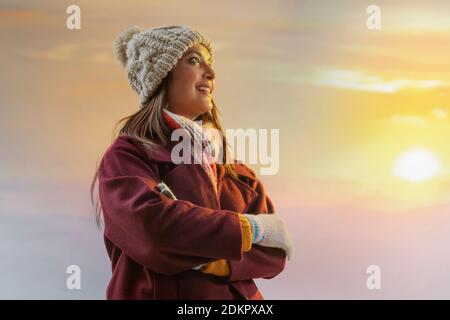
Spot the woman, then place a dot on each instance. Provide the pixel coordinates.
(211, 235)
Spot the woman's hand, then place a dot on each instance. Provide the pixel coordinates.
(269, 230)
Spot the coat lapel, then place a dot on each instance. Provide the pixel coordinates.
(236, 194)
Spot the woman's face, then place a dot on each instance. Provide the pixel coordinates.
(192, 71)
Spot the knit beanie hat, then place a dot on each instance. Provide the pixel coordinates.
(149, 55)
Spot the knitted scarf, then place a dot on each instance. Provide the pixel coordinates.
(206, 155)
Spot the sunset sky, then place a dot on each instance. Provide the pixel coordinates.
(364, 120)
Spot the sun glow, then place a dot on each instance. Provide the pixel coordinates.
(416, 165)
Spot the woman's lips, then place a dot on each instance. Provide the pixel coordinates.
(205, 91)
(206, 94)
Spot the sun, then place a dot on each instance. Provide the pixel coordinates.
(416, 165)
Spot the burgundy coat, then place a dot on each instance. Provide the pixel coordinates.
(154, 242)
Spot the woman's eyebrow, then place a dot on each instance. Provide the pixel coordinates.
(194, 51)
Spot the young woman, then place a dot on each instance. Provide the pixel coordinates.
(214, 231)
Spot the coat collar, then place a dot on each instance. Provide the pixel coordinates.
(243, 170)
(162, 154)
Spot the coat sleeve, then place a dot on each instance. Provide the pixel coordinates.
(259, 262)
(165, 235)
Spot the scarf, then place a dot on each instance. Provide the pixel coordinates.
(196, 133)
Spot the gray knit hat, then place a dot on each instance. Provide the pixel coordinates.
(149, 55)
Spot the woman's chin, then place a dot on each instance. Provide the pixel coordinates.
(202, 110)
(207, 107)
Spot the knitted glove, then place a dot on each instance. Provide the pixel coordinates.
(269, 230)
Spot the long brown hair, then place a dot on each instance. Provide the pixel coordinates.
(149, 127)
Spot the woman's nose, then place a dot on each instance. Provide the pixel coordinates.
(210, 74)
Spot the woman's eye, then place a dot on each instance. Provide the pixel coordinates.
(198, 60)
